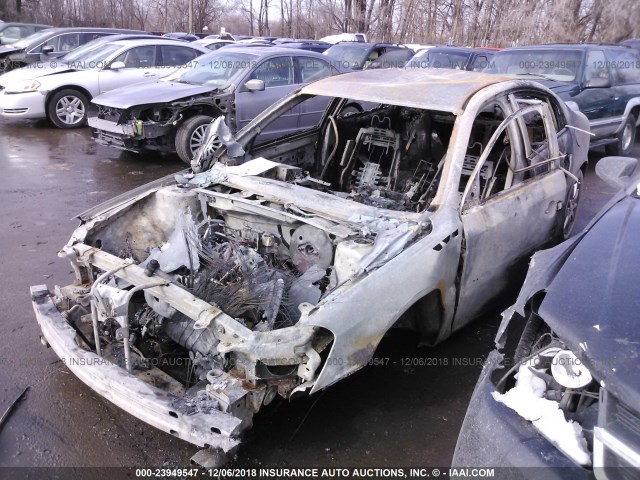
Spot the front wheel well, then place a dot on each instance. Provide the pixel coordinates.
(425, 316)
(82, 90)
(635, 111)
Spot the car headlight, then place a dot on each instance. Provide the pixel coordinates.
(22, 86)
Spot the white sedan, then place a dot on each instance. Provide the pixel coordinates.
(62, 91)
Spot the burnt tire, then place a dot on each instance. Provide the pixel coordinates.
(68, 108)
(570, 207)
(190, 136)
(533, 329)
(626, 138)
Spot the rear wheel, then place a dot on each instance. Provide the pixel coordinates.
(68, 109)
(625, 140)
(191, 136)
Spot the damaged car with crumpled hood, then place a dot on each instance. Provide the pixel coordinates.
(274, 267)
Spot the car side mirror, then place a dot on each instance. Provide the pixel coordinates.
(117, 66)
(598, 83)
(617, 172)
(254, 85)
(47, 49)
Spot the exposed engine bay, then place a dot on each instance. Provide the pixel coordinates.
(199, 290)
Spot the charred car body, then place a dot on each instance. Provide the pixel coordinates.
(563, 392)
(172, 115)
(276, 267)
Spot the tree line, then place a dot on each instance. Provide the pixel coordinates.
(500, 23)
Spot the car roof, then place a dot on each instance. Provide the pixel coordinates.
(567, 46)
(91, 29)
(150, 41)
(269, 51)
(447, 48)
(431, 89)
(369, 44)
(20, 24)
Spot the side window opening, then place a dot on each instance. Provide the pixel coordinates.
(529, 133)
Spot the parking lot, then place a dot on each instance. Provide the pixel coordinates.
(404, 410)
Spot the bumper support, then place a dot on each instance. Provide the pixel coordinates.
(162, 410)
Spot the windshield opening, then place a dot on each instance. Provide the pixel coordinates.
(385, 156)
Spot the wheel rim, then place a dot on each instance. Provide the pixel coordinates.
(70, 110)
(571, 208)
(627, 133)
(198, 138)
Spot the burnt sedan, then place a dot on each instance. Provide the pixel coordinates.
(172, 115)
(275, 267)
(563, 389)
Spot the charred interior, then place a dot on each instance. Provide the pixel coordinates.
(392, 157)
(388, 157)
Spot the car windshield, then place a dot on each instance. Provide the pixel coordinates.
(218, 70)
(351, 55)
(81, 51)
(440, 59)
(33, 39)
(96, 57)
(559, 65)
(392, 59)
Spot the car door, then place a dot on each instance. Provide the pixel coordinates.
(510, 203)
(278, 75)
(310, 69)
(61, 45)
(140, 64)
(625, 69)
(596, 97)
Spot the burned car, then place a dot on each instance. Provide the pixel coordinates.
(274, 268)
(562, 389)
(172, 114)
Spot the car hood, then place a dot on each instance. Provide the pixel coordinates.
(593, 302)
(146, 93)
(564, 90)
(7, 49)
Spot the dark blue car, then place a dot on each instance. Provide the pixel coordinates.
(603, 81)
(562, 391)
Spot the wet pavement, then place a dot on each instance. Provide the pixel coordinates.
(404, 410)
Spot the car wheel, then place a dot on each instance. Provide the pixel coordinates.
(68, 109)
(626, 138)
(570, 209)
(191, 136)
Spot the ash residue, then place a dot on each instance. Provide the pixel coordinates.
(200, 403)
